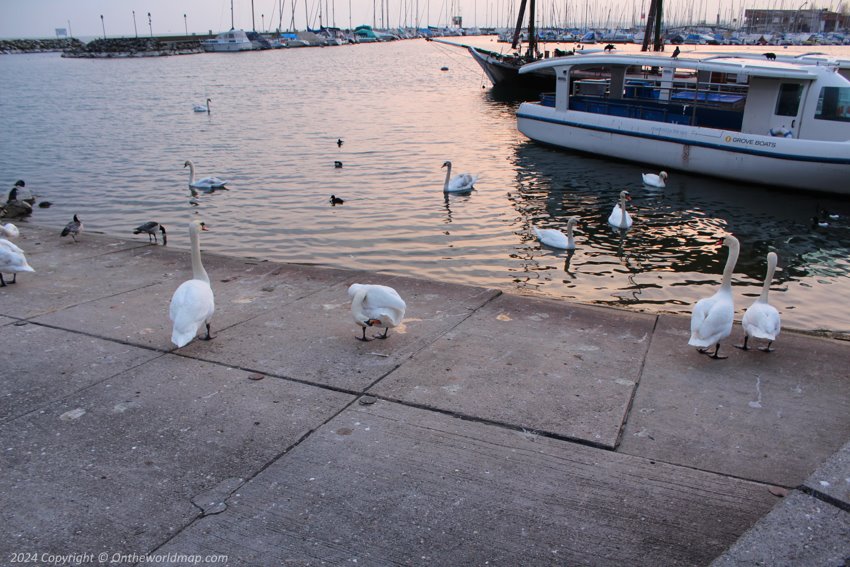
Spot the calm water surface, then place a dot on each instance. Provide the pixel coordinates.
(107, 139)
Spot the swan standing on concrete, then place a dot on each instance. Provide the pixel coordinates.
(74, 228)
(460, 183)
(557, 239)
(376, 305)
(202, 108)
(12, 261)
(711, 319)
(655, 180)
(150, 228)
(193, 303)
(619, 217)
(206, 182)
(762, 319)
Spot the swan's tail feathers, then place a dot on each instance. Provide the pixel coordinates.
(537, 232)
(182, 337)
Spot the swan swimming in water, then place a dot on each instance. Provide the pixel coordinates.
(557, 239)
(376, 305)
(619, 217)
(712, 317)
(202, 108)
(193, 303)
(655, 180)
(460, 183)
(204, 183)
(12, 261)
(762, 319)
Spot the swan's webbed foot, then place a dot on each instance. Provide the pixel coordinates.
(714, 355)
(363, 338)
(386, 330)
(744, 346)
(767, 348)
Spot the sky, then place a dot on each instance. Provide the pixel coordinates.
(40, 18)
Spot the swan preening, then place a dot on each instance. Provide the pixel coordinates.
(557, 239)
(655, 180)
(460, 183)
(74, 228)
(150, 228)
(762, 319)
(376, 306)
(12, 261)
(193, 303)
(9, 230)
(712, 317)
(203, 108)
(204, 183)
(619, 217)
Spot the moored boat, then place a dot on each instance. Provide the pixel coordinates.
(756, 121)
(233, 40)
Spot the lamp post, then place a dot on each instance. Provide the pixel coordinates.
(150, 24)
(134, 25)
(797, 17)
(185, 25)
(102, 25)
(263, 22)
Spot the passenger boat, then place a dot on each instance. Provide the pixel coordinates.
(779, 123)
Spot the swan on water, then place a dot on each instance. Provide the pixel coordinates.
(9, 230)
(459, 183)
(202, 108)
(12, 261)
(376, 306)
(74, 228)
(711, 319)
(206, 182)
(761, 319)
(150, 228)
(655, 180)
(557, 239)
(193, 303)
(619, 217)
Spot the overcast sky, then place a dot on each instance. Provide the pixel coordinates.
(40, 18)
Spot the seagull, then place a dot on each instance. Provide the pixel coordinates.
(150, 228)
(74, 228)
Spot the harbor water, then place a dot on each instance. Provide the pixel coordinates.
(106, 139)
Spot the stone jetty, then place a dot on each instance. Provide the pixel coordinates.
(489, 429)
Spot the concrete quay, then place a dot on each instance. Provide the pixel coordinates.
(490, 429)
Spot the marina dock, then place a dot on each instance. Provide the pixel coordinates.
(489, 429)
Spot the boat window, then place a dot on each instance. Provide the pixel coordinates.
(834, 104)
(789, 99)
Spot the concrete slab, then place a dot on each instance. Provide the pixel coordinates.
(49, 364)
(801, 530)
(832, 478)
(116, 467)
(242, 291)
(392, 485)
(767, 417)
(543, 365)
(313, 339)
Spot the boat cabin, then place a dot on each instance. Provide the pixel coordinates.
(807, 101)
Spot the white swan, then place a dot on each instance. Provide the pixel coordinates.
(193, 303)
(206, 182)
(762, 319)
(202, 108)
(376, 305)
(557, 239)
(460, 183)
(619, 217)
(12, 261)
(655, 180)
(9, 230)
(711, 319)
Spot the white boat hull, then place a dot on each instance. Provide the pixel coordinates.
(782, 162)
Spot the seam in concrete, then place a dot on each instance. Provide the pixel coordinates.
(831, 500)
(631, 401)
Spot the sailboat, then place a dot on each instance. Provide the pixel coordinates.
(233, 40)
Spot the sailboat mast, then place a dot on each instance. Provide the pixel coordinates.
(518, 29)
(231, 15)
(532, 34)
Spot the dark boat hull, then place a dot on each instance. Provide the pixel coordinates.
(503, 71)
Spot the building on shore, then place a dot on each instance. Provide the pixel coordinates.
(795, 21)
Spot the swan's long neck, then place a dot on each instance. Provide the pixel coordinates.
(771, 268)
(570, 238)
(198, 271)
(448, 176)
(734, 248)
(191, 173)
(623, 210)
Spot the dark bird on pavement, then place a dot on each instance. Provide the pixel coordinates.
(74, 228)
(150, 228)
